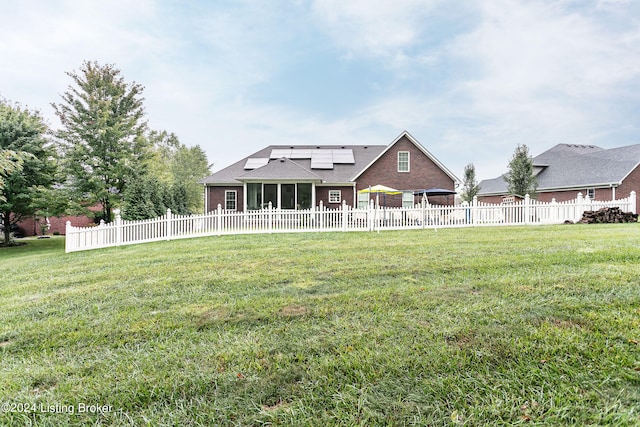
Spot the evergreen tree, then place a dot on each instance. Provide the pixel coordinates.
(470, 187)
(180, 199)
(102, 119)
(137, 201)
(520, 179)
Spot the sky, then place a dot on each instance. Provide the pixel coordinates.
(469, 79)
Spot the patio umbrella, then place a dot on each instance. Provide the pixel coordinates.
(434, 192)
(380, 189)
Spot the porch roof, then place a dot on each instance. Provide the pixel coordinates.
(282, 169)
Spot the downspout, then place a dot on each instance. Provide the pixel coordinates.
(206, 199)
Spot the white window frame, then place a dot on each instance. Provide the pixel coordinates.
(401, 162)
(235, 200)
(591, 193)
(335, 196)
(407, 199)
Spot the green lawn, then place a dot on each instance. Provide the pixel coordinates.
(483, 326)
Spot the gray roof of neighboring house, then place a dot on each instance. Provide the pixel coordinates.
(576, 166)
(363, 155)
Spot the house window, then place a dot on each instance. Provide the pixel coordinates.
(288, 196)
(254, 196)
(270, 195)
(304, 196)
(363, 200)
(230, 198)
(292, 196)
(591, 193)
(403, 161)
(407, 199)
(334, 196)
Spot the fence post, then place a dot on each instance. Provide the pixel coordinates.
(219, 219)
(118, 227)
(474, 211)
(554, 212)
(270, 217)
(169, 224)
(632, 201)
(370, 213)
(579, 208)
(67, 234)
(344, 215)
(321, 221)
(527, 209)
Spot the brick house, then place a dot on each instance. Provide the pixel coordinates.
(302, 176)
(568, 169)
(30, 226)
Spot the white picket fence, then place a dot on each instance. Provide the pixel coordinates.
(320, 219)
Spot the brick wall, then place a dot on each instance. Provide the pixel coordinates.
(423, 173)
(215, 196)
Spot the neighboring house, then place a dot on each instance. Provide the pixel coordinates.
(568, 169)
(302, 176)
(30, 226)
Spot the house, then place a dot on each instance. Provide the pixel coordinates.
(568, 169)
(302, 176)
(31, 226)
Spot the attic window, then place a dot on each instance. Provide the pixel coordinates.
(403, 161)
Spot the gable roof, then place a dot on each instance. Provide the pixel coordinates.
(567, 166)
(419, 146)
(311, 163)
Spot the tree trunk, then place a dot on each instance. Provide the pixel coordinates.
(6, 221)
(106, 210)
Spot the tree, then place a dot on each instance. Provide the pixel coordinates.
(171, 162)
(520, 179)
(28, 166)
(190, 165)
(102, 120)
(470, 187)
(137, 203)
(10, 162)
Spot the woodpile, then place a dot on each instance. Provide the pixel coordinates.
(607, 216)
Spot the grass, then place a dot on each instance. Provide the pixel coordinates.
(484, 326)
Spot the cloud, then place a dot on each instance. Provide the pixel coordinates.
(374, 27)
(469, 79)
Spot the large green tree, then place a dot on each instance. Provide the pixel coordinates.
(175, 165)
(189, 166)
(521, 179)
(27, 164)
(102, 133)
(470, 187)
(168, 178)
(10, 161)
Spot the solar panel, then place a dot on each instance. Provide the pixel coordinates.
(256, 162)
(322, 159)
(278, 153)
(344, 156)
(301, 153)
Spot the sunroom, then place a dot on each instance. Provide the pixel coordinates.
(283, 183)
